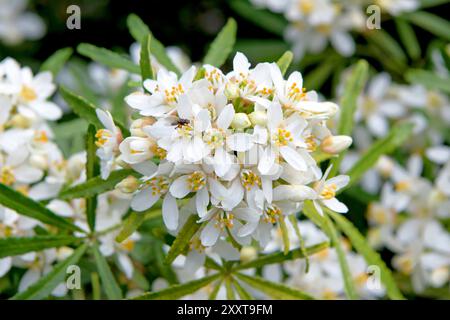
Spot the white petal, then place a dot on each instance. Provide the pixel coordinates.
(202, 201)
(5, 265)
(226, 117)
(335, 205)
(210, 234)
(170, 212)
(144, 200)
(180, 188)
(240, 142)
(293, 158)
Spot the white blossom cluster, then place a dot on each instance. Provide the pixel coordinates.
(314, 23)
(235, 149)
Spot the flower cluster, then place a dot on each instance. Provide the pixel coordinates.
(239, 147)
(314, 23)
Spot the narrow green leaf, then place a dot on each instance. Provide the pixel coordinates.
(317, 77)
(349, 286)
(91, 171)
(145, 62)
(432, 3)
(428, 79)
(28, 207)
(95, 281)
(134, 221)
(13, 246)
(243, 294)
(86, 110)
(393, 140)
(285, 61)
(45, 285)
(273, 289)
(182, 240)
(69, 129)
(216, 289)
(178, 291)
(96, 185)
(109, 283)
(285, 235)
(265, 19)
(389, 45)
(139, 30)
(229, 288)
(222, 45)
(372, 258)
(436, 25)
(408, 38)
(352, 89)
(80, 106)
(107, 57)
(56, 61)
(257, 50)
(294, 223)
(119, 109)
(280, 257)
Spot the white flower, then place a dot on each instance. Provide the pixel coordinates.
(108, 141)
(326, 192)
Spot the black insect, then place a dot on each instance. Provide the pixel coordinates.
(182, 122)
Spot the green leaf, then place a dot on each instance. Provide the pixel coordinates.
(432, 3)
(273, 289)
(134, 221)
(257, 50)
(294, 223)
(109, 283)
(229, 288)
(145, 62)
(216, 289)
(428, 79)
(436, 25)
(316, 78)
(139, 30)
(96, 185)
(91, 171)
(81, 106)
(107, 57)
(280, 257)
(56, 61)
(352, 89)
(222, 45)
(285, 235)
(267, 20)
(408, 38)
(182, 240)
(28, 207)
(372, 258)
(86, 110)
(69, 129)
(179, 290)
(389, 45)
(46, 284)
(393, 140)
(349, 287)
(243, 294)
(13, 246)
(119, 109)
(285, 61)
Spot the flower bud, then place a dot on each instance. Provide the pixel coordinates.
(138, 124)
(248, 254)
(335, 144)
(258, 118)
(240, 121)
(128, 185)
(39, 161)
(385, 166)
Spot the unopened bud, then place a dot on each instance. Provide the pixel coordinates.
(335, 144)
(240, 121)
(385, 166)
(128, 185)
(138, 124)
(258, 118)
(248, 254)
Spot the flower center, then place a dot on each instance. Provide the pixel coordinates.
(41, 136)
(306, 6)
(249, 179)
(173, 93)
(295, 93)
(272, 214)
(225, 221)
(196, 181)
(159, 185)
(28, 94)
(402, 186)
(329, 191)
(7, 176)
(282, 137)
(102, 137)
(127, 245)
(214, 138)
